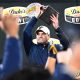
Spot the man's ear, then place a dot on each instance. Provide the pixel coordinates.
(48, 36)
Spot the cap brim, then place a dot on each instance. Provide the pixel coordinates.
(39, 31)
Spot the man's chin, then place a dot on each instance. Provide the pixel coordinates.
(40, 42)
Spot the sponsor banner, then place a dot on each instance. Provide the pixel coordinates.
(72, 15)
(25, 13)
(18, 10)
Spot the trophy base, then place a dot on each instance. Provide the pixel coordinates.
(47, 13)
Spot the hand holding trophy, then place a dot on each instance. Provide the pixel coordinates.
(42, 12)
(48, 13)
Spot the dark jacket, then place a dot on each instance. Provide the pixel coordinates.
(62, 73)
(12, 59)
(38, 53)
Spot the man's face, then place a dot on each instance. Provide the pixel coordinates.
(42, 37)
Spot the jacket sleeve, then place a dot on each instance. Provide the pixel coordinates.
(27, 35)
(12, 59)
(63, 38)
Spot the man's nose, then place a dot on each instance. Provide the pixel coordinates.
(40, 35)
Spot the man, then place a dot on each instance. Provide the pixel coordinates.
(12, 59)
(38, 53)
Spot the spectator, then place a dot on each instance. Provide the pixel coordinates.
(69, 65)
(12, 59)
(31, 73)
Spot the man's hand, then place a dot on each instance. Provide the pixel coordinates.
(55, 21)
(11, 25)
(39, 10)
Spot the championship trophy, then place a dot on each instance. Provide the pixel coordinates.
(45, 16)
(31, 9)
(47, 12)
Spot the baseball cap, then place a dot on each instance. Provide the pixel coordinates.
(44, 29)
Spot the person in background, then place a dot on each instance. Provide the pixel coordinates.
(12, 58)
(68, 67)
(30, 73)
